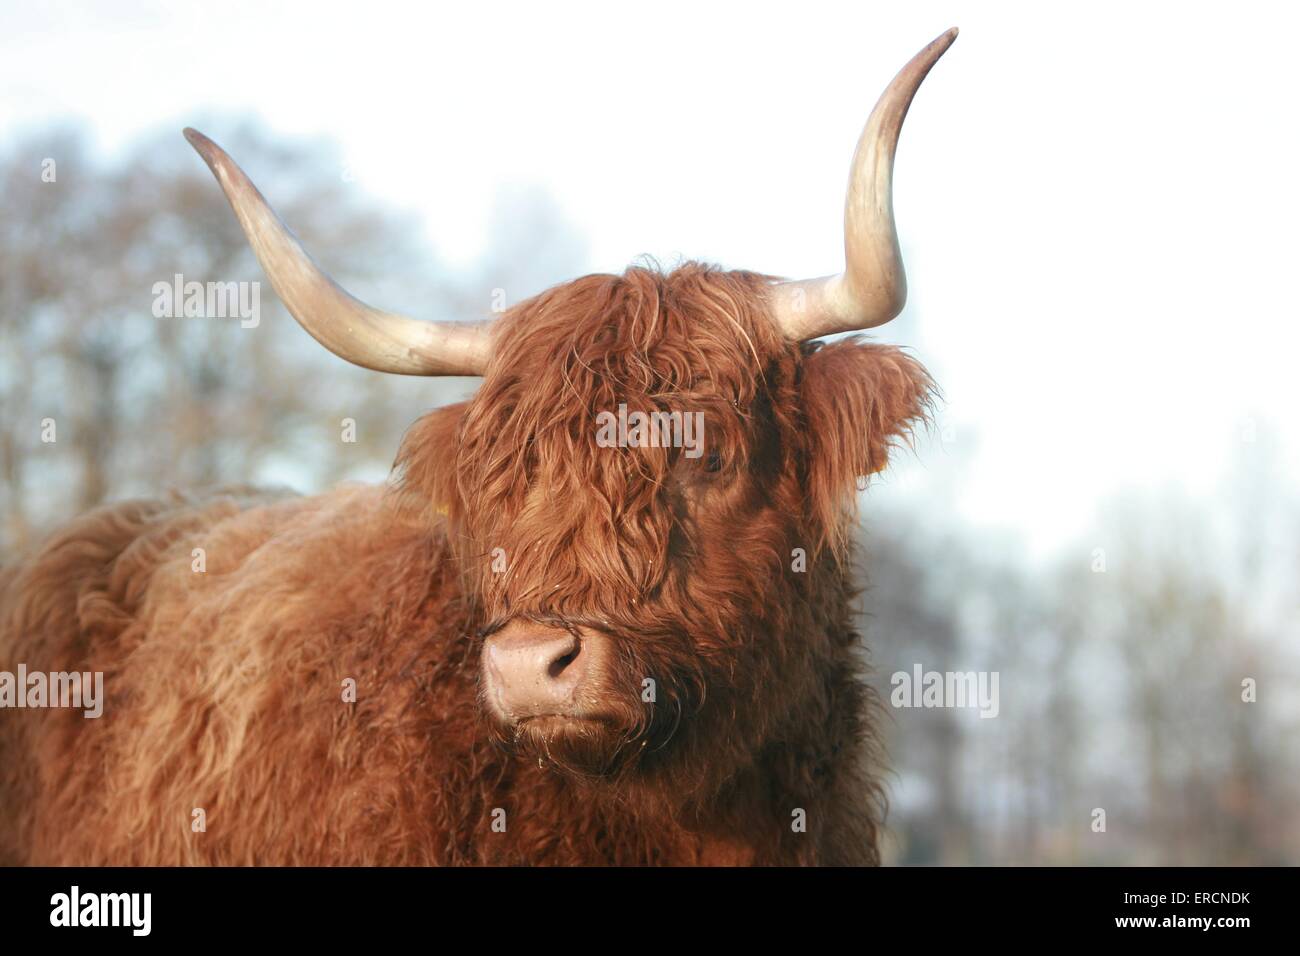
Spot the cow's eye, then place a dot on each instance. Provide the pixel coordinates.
(713, 462)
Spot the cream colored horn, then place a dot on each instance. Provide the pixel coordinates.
(872, 288)
(346, 326)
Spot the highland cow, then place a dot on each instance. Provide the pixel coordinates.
(531, 646)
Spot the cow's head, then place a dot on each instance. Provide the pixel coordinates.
(649, 495)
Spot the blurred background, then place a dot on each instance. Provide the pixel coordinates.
(1098, 209)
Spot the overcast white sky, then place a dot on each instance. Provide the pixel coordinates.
(1098, 202)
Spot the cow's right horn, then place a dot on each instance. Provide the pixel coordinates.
(346, 326)
(872, 288)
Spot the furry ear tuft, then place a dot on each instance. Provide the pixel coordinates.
(860, 400)
(424, 474)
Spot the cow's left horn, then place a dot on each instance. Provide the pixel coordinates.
(346, 326)
(872, 288)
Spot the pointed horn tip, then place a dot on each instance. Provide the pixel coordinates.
(206, 148)
(909, 78)
(939, 45)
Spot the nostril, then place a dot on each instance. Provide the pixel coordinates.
(564, 661)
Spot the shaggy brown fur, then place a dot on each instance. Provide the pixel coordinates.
(224, 688)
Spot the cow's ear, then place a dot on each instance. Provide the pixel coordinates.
(425, 470)
(860, 401)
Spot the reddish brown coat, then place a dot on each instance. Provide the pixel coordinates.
(225, 688)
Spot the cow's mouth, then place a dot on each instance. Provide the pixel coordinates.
(586, 745)
(560, 721)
